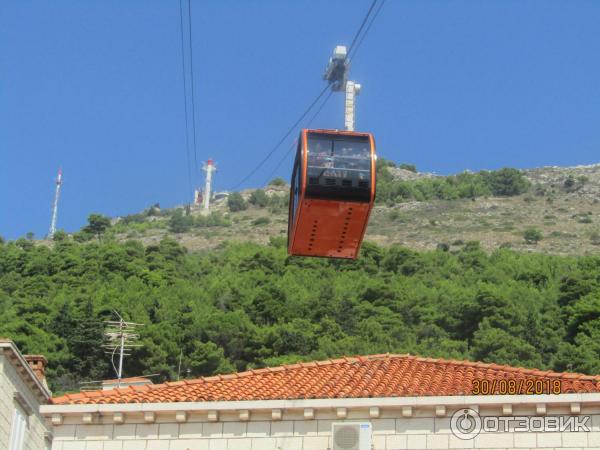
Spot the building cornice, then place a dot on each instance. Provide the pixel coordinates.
(407, 404)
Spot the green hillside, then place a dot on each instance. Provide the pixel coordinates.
(500, 266)
(249, 305)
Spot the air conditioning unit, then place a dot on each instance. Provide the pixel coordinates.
(351, 436)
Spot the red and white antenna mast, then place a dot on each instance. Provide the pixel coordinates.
(55, 204)
(209, 168)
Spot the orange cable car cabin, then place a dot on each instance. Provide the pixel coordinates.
(332, 193)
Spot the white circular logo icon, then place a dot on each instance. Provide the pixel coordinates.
(465, 424)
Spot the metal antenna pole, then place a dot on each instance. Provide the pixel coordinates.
(179, 366)
(120, 375)
(55, 204)
(120, 336)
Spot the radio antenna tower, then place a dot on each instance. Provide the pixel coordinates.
(55, 204)
(208, 168)
(336, 74)
(120, 336)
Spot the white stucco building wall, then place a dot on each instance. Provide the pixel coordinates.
(397, 423)
(21, 390)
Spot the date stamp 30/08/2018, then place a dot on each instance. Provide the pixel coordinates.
(521, 386)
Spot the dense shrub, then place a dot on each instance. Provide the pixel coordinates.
(569, 182)
(278, 203)
(504, 182)
(277, 182)
(154, 210)
(259, 198)
(180, 222)
(214, 219)
(60, 235)
(532, 235)
(409, 167)
(133, 218)
(236, 202)
(97, 225)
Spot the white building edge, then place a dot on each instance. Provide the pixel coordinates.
(22, 391)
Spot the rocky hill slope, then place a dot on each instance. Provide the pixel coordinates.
(563, 204)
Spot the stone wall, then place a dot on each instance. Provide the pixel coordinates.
(11, 382)
(424, 430)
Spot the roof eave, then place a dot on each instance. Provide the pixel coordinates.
(8, 345)
(382, 402)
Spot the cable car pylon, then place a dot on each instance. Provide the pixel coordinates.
(336, 74)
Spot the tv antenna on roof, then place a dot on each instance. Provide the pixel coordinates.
(120, 336)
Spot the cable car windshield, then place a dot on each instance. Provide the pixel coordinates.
(338, 166)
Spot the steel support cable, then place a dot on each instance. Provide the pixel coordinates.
(361, 26)
(185, 99)
(296, 140)
(192, 83)
(266, 158)
(359, 43)
(282, 140)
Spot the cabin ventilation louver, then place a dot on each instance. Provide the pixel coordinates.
(351, 436)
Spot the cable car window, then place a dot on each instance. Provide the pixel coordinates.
(352, 155)
(338, 167)
(320, 153)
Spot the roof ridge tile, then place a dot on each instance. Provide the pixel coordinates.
(338, 360)
(228, 376)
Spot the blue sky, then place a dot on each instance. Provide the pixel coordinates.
(96, 87)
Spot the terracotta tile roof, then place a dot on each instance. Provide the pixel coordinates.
(354, 377)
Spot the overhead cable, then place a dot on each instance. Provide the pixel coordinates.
(196, 167)
(361, 26)
(362, 38)
(185, 100)
(285, 136)
(296, 141)
(305, 113)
